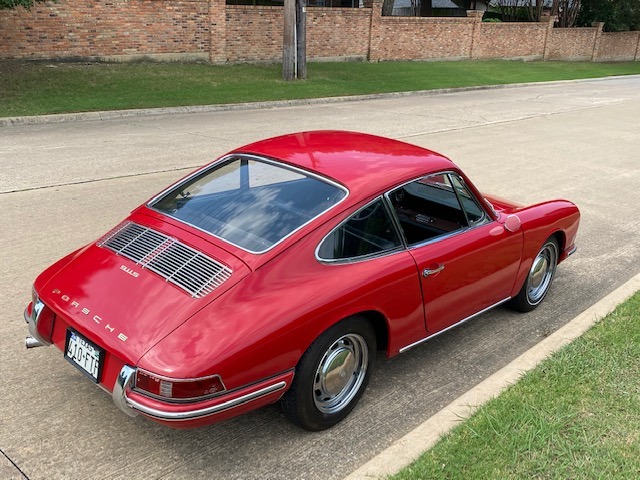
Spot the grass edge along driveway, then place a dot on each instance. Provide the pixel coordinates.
(576, 415)
(48, 87)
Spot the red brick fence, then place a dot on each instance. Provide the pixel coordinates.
(211, 30)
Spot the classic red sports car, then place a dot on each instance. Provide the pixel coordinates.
(277, 271)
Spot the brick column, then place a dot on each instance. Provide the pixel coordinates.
(476, 15)
(549, 20)
(374, 32)
(217, 31)
(637, 57)
(596, 41)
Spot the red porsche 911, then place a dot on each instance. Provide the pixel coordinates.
(276, 272)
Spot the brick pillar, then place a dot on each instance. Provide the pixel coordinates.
(549, 20)
(476, 15)
(375, 33)
(637, 57)
(596, 41)
(217, 31)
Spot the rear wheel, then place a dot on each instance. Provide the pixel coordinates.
(331, 375)
(538, 279)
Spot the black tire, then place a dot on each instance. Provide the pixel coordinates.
(332, 375)
(539, 278)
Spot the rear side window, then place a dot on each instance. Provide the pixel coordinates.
(368, 232)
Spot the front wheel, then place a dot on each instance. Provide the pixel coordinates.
(538, 279)
(331, 375)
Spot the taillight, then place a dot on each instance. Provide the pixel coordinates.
(178, 389)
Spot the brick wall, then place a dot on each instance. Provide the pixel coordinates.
(71, 28)
(255, 33)
(510, 40)
(212, 30)
(420, 38)
(619, 46)
(572, 43)
(338, 32)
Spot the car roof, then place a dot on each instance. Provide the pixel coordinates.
(365, 164)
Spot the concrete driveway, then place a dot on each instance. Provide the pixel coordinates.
(63, 185)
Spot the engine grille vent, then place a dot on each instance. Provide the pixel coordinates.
(183, 266)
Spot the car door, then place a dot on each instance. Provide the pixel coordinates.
(467, 262)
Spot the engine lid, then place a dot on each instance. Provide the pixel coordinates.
(136, 285)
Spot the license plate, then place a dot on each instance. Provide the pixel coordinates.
(84, 355)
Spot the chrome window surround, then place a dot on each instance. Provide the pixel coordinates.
(187, 268)
(362, 258)
(256, 158)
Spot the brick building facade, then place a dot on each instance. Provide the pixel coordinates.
(213, 31)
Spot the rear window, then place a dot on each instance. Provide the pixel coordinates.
(250, 202)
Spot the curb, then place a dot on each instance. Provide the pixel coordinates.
(149, 112)
(408, 448)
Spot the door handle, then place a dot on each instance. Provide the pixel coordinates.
(432, 271)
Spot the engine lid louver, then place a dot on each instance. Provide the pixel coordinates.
(177, 263)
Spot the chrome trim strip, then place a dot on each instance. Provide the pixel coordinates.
(571, 251)
(414, 344)
(203, 412)
(257, 158)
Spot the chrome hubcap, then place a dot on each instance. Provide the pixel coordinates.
(340, 373)
(541, 273)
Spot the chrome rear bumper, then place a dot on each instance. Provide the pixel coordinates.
(132, 407)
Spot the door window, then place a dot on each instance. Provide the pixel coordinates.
(432, 207)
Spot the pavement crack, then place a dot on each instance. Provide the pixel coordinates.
(14, 464)
(96, 180)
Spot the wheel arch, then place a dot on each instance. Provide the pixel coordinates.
(380, 327)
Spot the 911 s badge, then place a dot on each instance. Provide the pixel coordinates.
(129, 271)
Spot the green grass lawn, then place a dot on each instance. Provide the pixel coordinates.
(577, 416)
(40, 87)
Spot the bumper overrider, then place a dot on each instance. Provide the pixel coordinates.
(131, 402)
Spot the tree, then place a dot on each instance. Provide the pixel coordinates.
(387, 8)
(9, 4)
(535, 9)
(617, 15)
(566, 11)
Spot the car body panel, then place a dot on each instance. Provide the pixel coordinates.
(479, 268)
(254, 328)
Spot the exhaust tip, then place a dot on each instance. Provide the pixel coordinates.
(31, 342)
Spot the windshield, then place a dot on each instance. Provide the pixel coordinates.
(249, 202)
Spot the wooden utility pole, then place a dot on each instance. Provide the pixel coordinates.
(289, 41)
(294, 44)
(301, 38)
